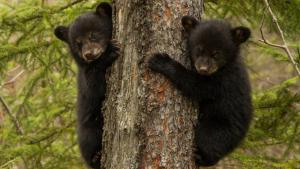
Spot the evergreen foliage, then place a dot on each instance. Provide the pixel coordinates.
(37, 84)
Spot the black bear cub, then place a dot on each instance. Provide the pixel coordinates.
(89, 39)
(218, 81)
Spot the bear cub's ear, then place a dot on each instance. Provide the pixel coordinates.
(104, 9)
(189, 23)
(240, 34)
(61, 32)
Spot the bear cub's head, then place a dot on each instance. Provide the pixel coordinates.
(89, 35)
(212, 44)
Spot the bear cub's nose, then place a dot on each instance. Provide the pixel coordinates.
(89, 56)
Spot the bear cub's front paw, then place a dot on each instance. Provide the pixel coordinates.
(115, 49)
(159, 62)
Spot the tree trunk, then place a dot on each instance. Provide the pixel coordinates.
(148, 124)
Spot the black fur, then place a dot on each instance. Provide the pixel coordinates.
(224, 96)
(91, 77)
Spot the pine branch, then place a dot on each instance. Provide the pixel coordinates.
(50, 135)
(54, 11)
(11, 50)
(284, 45)
(38, 14)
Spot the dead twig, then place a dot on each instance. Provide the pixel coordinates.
(12, 80)
(13, 119)
(284, 45)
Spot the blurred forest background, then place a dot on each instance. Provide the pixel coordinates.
(38, 85)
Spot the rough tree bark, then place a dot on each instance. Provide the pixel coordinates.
(148, 124)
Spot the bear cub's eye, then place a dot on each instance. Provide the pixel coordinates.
(93, 37)
(79, 43)
(214, 54)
